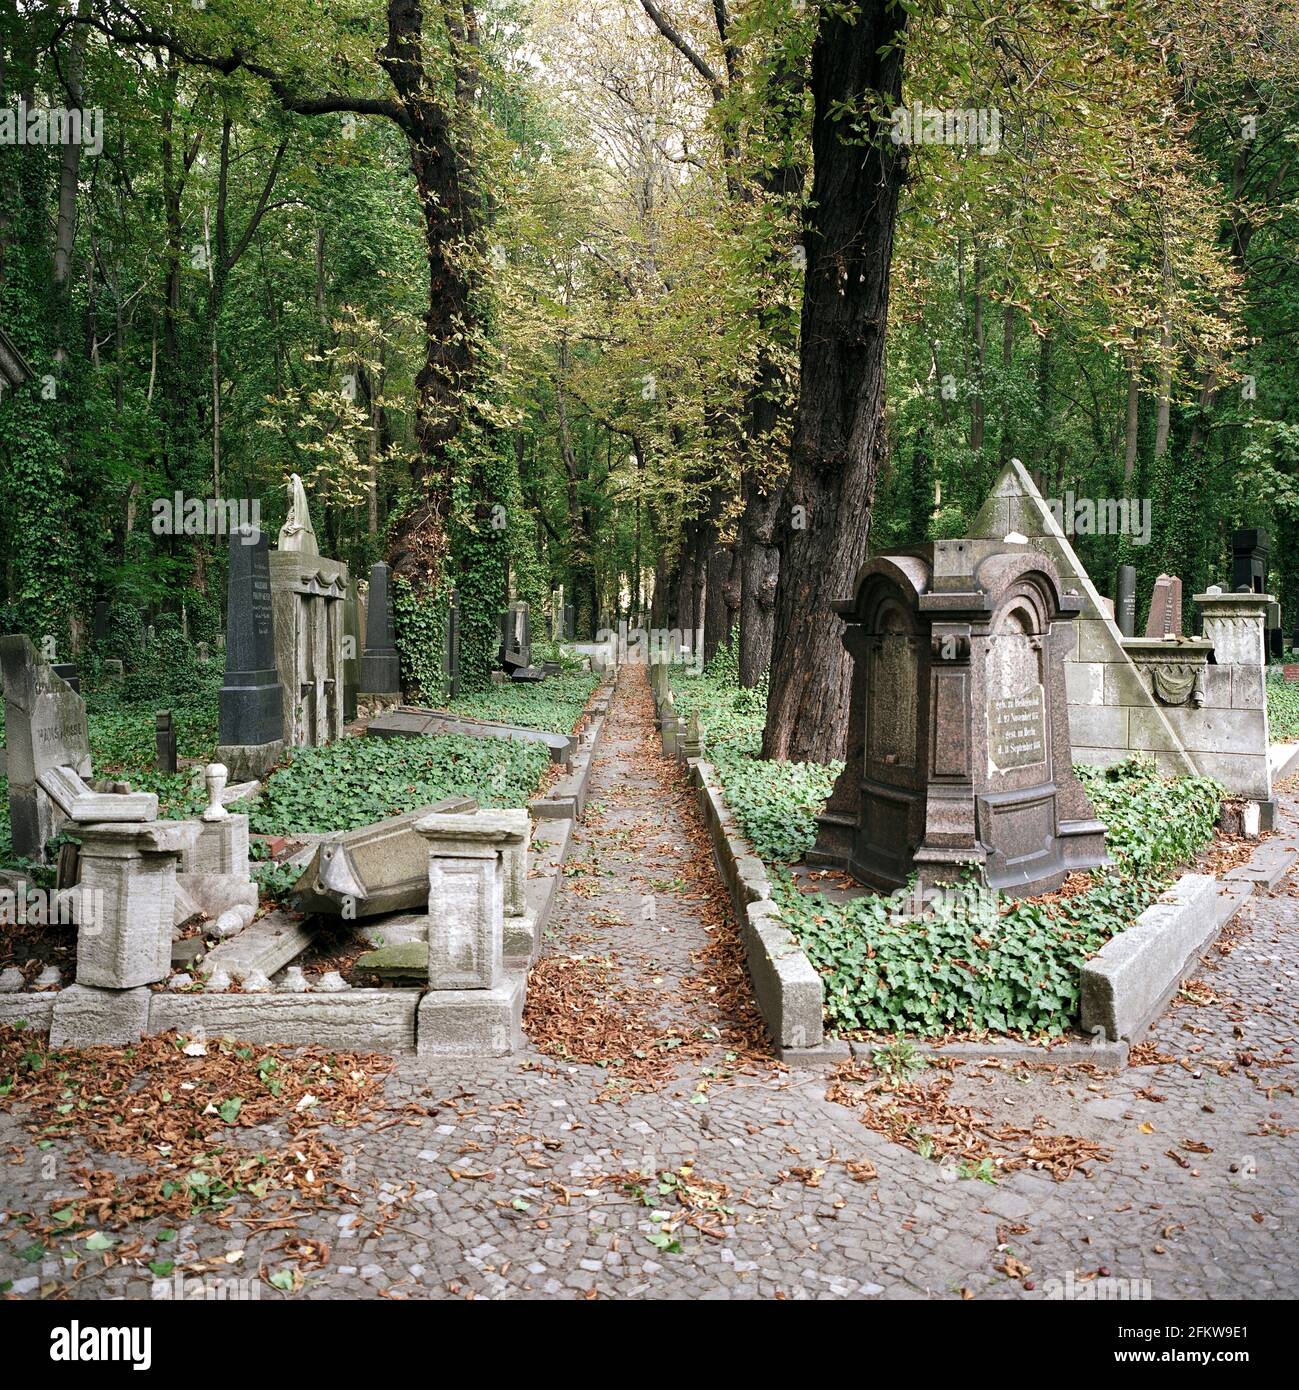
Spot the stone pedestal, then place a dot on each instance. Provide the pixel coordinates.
(127, 888)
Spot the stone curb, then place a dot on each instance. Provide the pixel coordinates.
(1106, 1056)
(1268, 865)
(789, 991)
(1128, 983)
(566, 799)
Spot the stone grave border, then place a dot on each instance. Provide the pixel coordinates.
(385, 1020)
(1125, 987)
(788, 989)
(566, 798)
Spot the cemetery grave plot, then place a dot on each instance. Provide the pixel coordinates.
(1156, 825)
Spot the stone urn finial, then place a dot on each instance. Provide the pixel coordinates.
(216, 777)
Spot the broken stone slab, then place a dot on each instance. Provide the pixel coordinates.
(363, 1020)
(374, 869)
(86, 1017)
(1267, 866)
(127, 891)
(404, 963)
(472, 1022)
(217, 893)
(1132, 977)
(410, 722)
(188, 951)
(183, 907)
(396, 930)
(80, 803)
(268, 945)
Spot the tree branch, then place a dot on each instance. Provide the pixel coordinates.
(675, 39)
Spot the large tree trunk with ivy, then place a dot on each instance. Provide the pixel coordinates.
(834, 458)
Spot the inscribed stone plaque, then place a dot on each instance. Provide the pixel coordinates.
(892, 716)
(1017, 730)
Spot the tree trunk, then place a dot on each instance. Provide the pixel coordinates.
(834, 458)
(759, 572)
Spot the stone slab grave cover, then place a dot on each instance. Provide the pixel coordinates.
(307, 607)
(412, 722)
(251, 703)
(380, 664)
(373, 869)
(45, 730)
(958, 750)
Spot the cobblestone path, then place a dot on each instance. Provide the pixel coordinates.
(515, 1185)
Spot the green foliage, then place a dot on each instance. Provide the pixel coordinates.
(553, 704)
(973, 962)
(420, 620)
(1151, 821)
(357, 781)
(1282, 711)
(776, 804)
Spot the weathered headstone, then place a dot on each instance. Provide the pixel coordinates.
(380, 664)
(451, 648)
(164, 736)
(351, 651)
(101, 621)
(67, 670)
(307, 602)
(1165, 618)
(251, 722)
(1251, 550)
(958, 752)
(1125, 600)
(45, 729)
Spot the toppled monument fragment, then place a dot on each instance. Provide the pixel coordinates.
(376, 868)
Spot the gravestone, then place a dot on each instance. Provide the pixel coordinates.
(570, 622)
(100, 628)
(1125, 600)
(1251, 551)
(351, 651)
(68, 671)
(516, 644)
(307, 602)
(251, 704)
(1165, 618)
(45, 729)
(164, 735)
(958, 753)
(451, 648)
(381, 664)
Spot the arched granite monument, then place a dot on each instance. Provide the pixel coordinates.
(958, 750)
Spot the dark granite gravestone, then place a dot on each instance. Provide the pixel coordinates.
(251, 719)
(570, 622)
(100, 627)
(164, 737)
(1251, 550)
(351, 651)
(516, 644)
(67, 670)
(1165, 618)
(380, 664)
(958, 752)
(1125, 600)
(451, 648)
